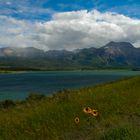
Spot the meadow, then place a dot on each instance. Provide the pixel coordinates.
(53, 117)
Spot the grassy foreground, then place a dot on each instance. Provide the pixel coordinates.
(52, 118)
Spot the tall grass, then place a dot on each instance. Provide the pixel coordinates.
(53, 118)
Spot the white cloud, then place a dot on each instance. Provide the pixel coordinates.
(70, 30)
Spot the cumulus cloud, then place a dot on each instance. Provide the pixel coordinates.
(70, 30)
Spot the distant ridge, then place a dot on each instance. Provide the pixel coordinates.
(113, 54)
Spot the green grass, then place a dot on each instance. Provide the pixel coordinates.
(52, 118)
(10, 71)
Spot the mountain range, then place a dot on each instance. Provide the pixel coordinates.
(111, 55)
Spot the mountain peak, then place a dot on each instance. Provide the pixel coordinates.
(119, 45)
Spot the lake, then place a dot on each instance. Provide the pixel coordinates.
(19, 85)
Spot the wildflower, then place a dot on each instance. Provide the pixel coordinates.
(77, 120)
(87, 110)
(94, 113)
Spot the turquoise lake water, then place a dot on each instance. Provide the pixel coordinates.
(18, 86)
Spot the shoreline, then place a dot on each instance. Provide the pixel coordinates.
(5, 71)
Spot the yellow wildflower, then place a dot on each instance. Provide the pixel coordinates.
(95, 113)
(87, 110)
(77, 120)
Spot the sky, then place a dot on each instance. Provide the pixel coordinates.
(68, 24)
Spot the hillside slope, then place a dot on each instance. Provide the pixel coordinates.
(52, 118)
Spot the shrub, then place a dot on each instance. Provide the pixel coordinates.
(34, 96)
(7, 104)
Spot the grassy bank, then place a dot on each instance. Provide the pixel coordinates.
(7, 71)
(10, 71)
(52, 118)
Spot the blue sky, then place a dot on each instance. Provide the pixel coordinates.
(68, 24)
(43, 9)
